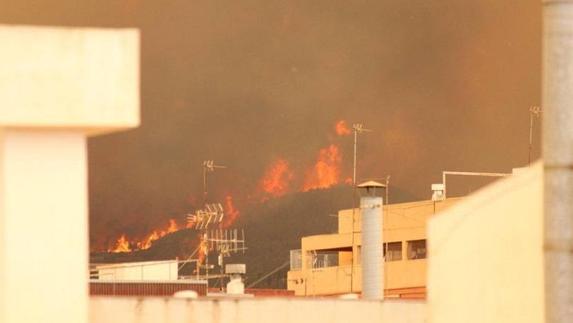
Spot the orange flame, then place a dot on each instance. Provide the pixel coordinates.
(124, 245)
(326, 172)
(121, 245)
(231, 213)
(190, 224)
(277, 178)
(157, 234)
(342, 128)
(202, 253)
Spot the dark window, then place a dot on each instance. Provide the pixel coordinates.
(393, 251)
(417, 249)
(295, 259)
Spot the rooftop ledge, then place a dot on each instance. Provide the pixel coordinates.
(254, 310)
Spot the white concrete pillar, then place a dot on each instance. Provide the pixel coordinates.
(44, 226)
(57, 86)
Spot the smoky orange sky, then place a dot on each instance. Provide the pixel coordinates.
(443, 84)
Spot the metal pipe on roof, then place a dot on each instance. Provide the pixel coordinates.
(558, 159)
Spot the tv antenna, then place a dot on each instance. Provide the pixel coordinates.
(211, 214)
(357, 128)
(203, 219)
(209, 166)
(223, 241)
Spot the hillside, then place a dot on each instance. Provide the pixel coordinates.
(272, 229)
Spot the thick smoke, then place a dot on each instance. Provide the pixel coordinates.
(442, 84)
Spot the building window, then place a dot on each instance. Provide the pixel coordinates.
(393, 251)
(295, 259)
(417, 249)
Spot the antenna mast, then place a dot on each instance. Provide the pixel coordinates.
(357, 128)
(208, 166)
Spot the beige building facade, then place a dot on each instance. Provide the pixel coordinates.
(330, 264)
(486, 254)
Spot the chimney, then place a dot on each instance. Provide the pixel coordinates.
(372, 252)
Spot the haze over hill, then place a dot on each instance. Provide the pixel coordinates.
(442, 84)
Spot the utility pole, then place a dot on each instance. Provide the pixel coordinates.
(558, 159)
(387, 188)
(534, 112)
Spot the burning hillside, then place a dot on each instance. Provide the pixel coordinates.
(342, 128)
(278, 180)
(326, 172)
(272, 228)
(291, 200)
(267, 101)
(123, 244)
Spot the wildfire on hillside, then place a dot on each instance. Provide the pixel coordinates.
(231, 213)
(326, 171)
(342, 129)
(156, 234)
(124, 245)
(277, 178)
(121, 245)
(202, 253)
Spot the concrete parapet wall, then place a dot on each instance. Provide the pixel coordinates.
(69, 78)
(260, 310)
